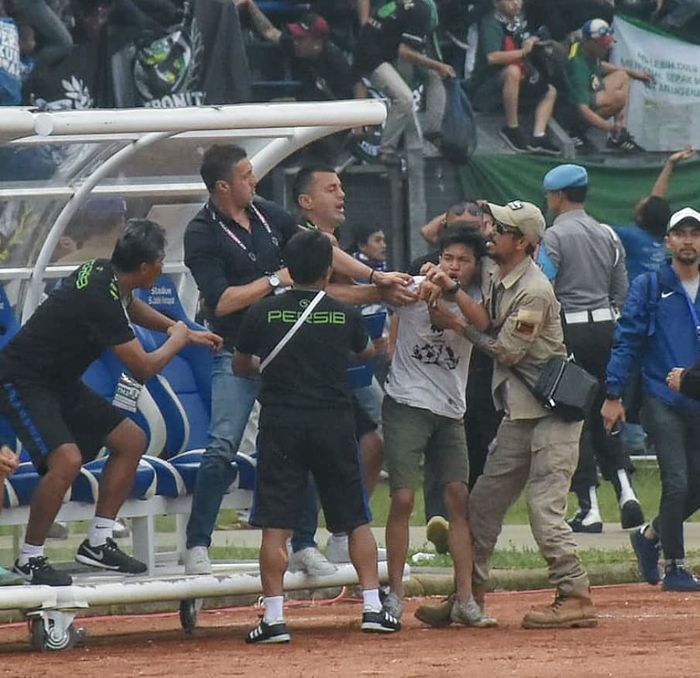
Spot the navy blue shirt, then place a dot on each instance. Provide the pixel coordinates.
(217, 261)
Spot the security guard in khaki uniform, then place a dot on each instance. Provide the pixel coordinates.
(519, 325)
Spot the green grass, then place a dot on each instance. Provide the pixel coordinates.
(646, 483)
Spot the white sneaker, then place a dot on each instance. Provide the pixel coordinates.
(197, 560)
(337, 550)
(311, 561)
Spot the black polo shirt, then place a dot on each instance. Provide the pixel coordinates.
(217, 261)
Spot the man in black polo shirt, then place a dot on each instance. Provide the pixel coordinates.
(307, 425)
(63, 423)
(233, 247)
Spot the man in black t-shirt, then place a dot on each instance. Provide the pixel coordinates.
(307, 425)
(395, 29)
(62, 422)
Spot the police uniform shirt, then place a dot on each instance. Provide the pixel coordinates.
(525, 314)
(588, 260)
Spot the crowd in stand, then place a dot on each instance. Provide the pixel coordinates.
(514, 56)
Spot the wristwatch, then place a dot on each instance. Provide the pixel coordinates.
(456, 288)
(274, 281)
(612, 396)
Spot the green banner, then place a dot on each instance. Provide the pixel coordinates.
(612, 191)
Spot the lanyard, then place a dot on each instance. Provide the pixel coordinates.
(261, 218)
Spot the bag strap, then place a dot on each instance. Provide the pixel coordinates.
(292, 330)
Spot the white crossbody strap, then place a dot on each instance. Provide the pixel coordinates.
(292, 330)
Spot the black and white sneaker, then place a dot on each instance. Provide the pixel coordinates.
(380, 622)
(269, 633)
(38, 571)
(624, 142)
(109, 556)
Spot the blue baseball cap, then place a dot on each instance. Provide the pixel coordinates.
(595, 29)
(565, 176)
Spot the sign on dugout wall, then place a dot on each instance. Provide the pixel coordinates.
(666, 115)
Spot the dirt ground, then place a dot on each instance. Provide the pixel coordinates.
(642, 631)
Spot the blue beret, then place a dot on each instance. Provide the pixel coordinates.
(565, 176)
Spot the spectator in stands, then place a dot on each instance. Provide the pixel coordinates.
(307, 426)
(423, 414)
(560, 18)
(676, 13)
(63, 423)
(320, 65)
(52, 36)
(597, 89)
(503, 76)
(10, 65)
(395, 30)
(659, 330)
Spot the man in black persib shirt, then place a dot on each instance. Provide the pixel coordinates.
(307, 425)
(62, 422)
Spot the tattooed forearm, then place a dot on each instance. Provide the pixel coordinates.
(491, 346)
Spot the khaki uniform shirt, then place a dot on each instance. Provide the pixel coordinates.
(525, 316)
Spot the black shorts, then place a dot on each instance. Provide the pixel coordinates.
(363, 422)
(45, 417)
(329, 452)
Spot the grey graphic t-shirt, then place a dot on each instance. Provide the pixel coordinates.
(430, 365)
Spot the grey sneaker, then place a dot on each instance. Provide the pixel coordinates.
(394, 605)
(197, 560)
(311, 561)
(469, 613)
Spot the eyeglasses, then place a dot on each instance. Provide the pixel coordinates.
(503, 228)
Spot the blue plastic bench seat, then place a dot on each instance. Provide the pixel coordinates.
(169, 482)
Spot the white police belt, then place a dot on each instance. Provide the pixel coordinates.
(598, 315)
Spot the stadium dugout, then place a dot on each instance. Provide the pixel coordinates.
(51, 163)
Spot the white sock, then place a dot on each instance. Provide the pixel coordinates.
(29, 551)
(100, 530)
(370, 600)
(593, 515)
(538, 136)
(626, 491)
(274, 609)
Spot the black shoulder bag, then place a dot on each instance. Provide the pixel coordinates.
(563, 387)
